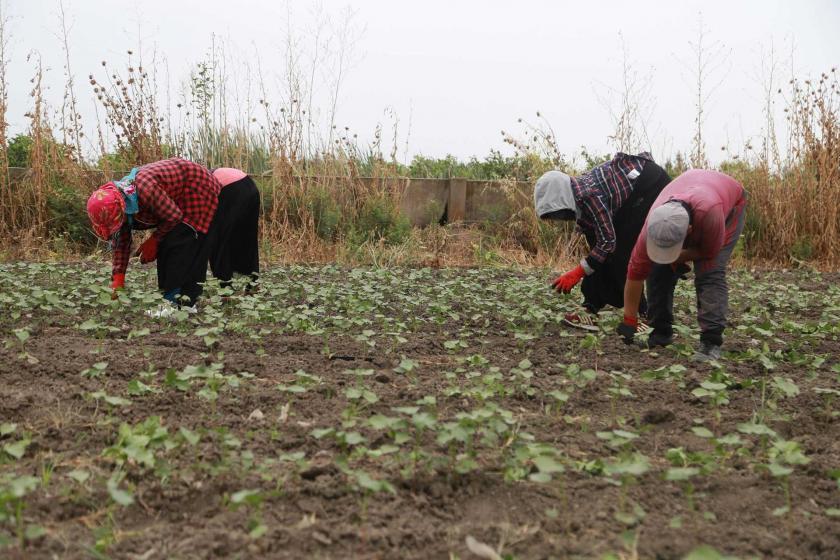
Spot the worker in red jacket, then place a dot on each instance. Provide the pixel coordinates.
(698, 217)
(178, 199)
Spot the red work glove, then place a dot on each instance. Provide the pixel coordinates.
(566, 282)
(148, 250)
(627, 329)
(117, 284)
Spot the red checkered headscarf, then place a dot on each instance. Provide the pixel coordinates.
(106, 210)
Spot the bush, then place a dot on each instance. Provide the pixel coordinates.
(380, 219)
(525, 167)
(326, 214)
(68, 218)
(802, 249)
(20, 148)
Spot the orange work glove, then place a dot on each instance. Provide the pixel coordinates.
(567, 281)
(117, 284)
(148, 250)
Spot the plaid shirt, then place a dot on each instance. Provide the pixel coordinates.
(169, 192)
(599, 193)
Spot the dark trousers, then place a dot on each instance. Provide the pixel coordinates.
(709, 285)
(182, 263)
(234, 246)
(606, 285)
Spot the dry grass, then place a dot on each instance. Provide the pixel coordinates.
(794, 209)
(317, 206)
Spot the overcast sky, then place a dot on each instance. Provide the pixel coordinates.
(460, 71)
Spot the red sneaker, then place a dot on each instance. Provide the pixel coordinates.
(584, 321)
(643, 329)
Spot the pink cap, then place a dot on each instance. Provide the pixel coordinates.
(228, 175)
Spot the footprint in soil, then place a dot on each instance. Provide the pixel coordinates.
(657, 416)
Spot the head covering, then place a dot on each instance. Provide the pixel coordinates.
(666, 230)
(553, 192)
(106, 210)
(228, 175)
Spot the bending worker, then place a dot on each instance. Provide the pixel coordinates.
(234, 247)
(178, 199)
(698, 217)
(609, 204)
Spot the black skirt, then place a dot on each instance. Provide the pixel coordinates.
(234, 233)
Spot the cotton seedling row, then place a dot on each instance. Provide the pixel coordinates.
(406, 412)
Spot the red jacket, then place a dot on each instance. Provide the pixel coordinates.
(715, 201)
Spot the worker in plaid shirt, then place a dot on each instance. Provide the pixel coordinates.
(609, 204)
(178, 199)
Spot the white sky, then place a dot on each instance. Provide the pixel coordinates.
(460, 71)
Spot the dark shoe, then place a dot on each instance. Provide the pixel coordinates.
(656, 340)
(707, 352)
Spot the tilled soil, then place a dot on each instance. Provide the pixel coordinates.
(183, 506)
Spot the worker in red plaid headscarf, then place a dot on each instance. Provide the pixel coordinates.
(178, 199)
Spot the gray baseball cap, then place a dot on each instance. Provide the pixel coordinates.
(666, 230)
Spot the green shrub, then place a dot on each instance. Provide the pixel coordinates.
(317, 204)
(754, 232)
(380, 219)
(68, 218)
(20, 148)
(802, 249)
(325, 213)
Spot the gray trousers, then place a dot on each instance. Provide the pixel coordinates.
(709, 284)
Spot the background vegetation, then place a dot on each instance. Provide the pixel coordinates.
(794, 210)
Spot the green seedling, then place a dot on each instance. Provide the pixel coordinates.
(13, 450)
(13, 493)
(253, 500)
(358, 396)
(141, 444)
(829, 396)
(95, 370)
(627, 469)
(22, 335)
(714, 393)
(784, 457)
(303, 382)
(684, 475)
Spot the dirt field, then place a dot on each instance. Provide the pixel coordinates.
(393, 413)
